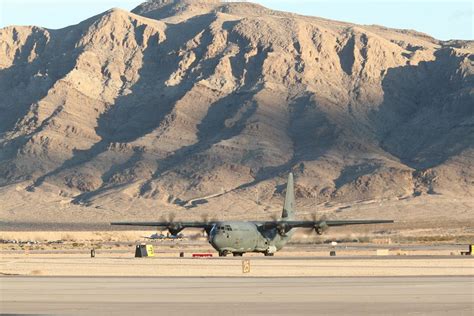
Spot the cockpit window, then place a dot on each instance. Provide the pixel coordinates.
(224, 228)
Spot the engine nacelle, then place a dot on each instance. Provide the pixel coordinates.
(321, 228)
(282, 229)
(175, 228)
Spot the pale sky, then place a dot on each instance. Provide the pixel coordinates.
(442, 19)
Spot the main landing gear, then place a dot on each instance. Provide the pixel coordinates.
(225, 253)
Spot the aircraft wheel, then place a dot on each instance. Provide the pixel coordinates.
(237, 254)
(222, 253)
(269, 254)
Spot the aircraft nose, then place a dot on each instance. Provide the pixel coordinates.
(217, 240)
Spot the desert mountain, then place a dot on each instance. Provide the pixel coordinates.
(179, 100)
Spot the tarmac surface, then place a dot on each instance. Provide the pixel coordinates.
(433, 295)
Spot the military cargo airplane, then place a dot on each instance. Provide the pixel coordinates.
(267, 237)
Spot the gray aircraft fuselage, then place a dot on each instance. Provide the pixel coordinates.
(241, 237)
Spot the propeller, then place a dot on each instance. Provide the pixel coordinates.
(173, 227)
(320, 227)
(205, 217)
(207, 220)
(275, 217)
(168, 218)
(171, 217)
(281, 227)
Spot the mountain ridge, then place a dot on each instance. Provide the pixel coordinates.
(181, 99)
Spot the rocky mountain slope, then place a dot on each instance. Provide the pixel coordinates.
(180, 100)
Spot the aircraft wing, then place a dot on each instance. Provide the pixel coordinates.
(357, 222)
(308, 224)
(173, 227)
(165, 224)
(319, 226)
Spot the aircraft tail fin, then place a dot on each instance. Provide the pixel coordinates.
(288, 207)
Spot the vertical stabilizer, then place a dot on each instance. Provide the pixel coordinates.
(289, 206)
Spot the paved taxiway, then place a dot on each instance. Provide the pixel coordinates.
(238, 295)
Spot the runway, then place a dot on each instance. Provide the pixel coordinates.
(238, 295)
